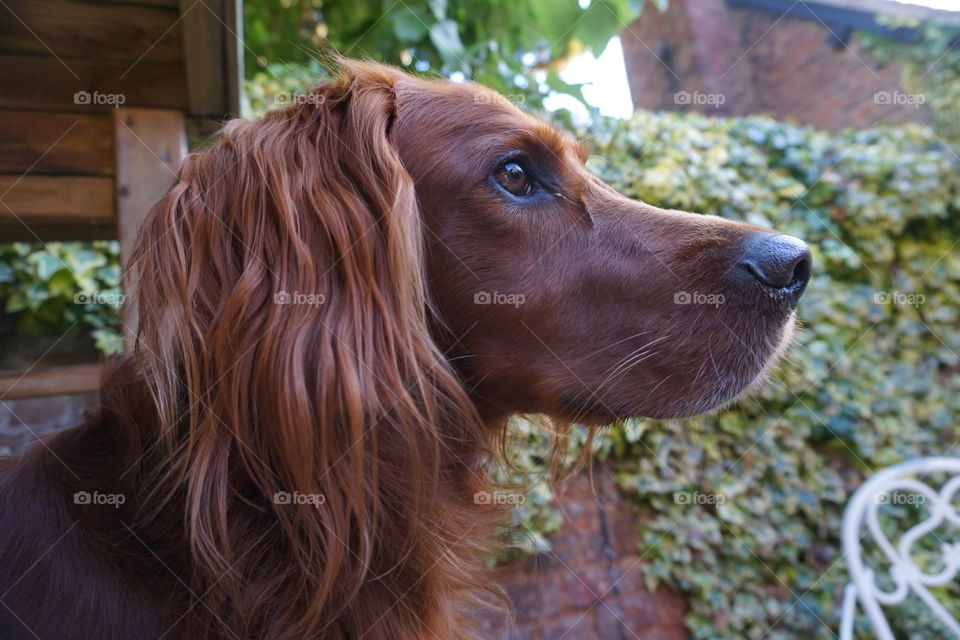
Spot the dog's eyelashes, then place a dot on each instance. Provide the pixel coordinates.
(513, 178)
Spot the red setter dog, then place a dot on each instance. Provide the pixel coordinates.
(339, 306)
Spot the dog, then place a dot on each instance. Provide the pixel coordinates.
(339, 305)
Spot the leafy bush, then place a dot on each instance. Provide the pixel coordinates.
(63, 287)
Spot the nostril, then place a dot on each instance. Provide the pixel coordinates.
(801, 271)
(777, 261)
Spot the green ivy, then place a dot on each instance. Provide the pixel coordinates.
(63, 288)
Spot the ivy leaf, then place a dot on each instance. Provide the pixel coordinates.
(108, 341)
(45, 264)
(84, 261)
(16, 302)
(600, 19)
(61, 283)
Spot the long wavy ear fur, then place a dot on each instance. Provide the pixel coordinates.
(321, 451)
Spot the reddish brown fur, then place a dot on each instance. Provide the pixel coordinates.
(386, 399)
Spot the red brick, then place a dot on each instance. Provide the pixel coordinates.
(789, 67)
(537, 598)
(573, 627)
(610, 621)
(584, 588)
(627, 574)
(574, 584)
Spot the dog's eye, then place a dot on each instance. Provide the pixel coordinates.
(513, 177)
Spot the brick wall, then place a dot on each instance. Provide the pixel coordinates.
(589, 587)
(656, 67)
(759, 62)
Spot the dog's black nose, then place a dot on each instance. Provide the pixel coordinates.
(779, 262)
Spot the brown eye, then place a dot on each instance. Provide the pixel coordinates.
(514, 178)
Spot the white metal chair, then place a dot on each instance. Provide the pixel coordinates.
(905, 575)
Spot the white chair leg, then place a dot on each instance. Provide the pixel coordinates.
(849, 611)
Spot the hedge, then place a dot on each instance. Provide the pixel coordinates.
(872, 379)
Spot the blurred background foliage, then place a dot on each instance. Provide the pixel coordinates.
(516, 48)
(871, 381)
(60, 290)
(931, 68)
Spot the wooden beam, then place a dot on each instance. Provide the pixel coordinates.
(155, 3)
(13, 230)
(37, 83)
(150, 144)
(233, 51)
(56, 199)
(82, 378)
(82, 30)
(213, 52)
(72, 143)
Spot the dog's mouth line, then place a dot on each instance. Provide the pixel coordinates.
(593, 407)
(771, 361)
(589, 406)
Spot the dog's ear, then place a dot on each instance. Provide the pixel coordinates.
(283, 336)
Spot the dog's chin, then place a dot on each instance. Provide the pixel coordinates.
(711, 396)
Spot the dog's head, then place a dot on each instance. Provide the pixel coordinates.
(563, 297)
(547, 290)
(341, 299)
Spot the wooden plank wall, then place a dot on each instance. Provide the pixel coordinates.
(65, 66)
(51, 50)
(93, 95)
(56, 175)
(80, 378)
